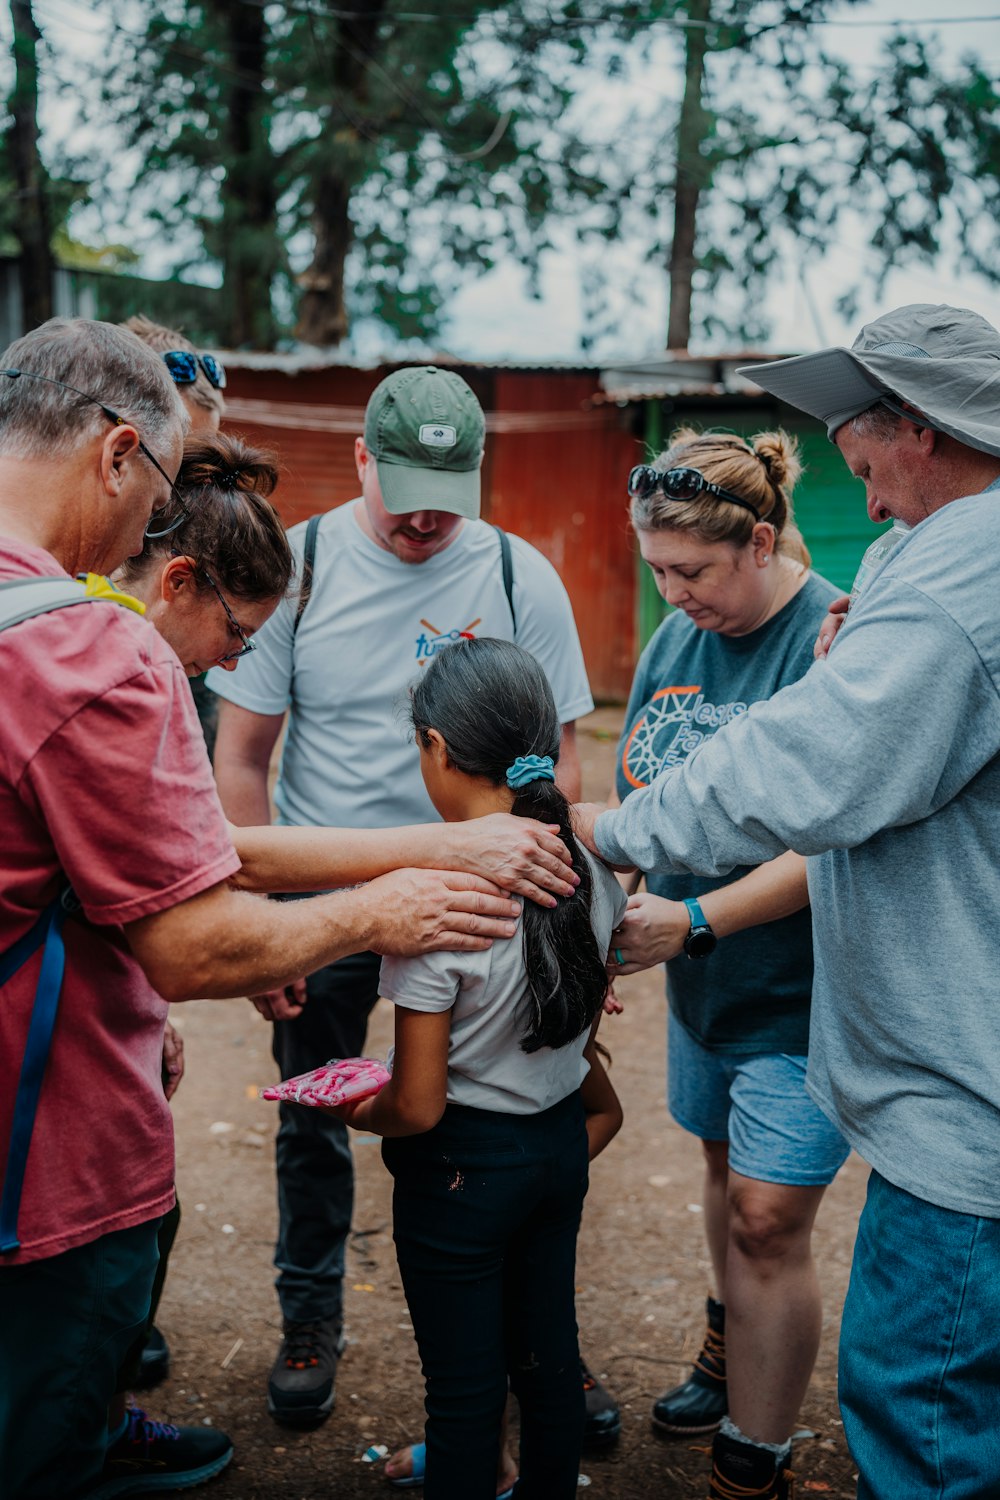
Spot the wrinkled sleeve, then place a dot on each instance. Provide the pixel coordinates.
(430, 982)
(125, 791)
(900, 716)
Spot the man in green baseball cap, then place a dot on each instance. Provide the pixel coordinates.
(425, 429)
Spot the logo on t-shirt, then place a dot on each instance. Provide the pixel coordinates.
(675, 721)
(427, 644)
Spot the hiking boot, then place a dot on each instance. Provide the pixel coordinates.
(742, 1471)
(701, 1402)
(603, 1421)
(300, 1386)
(158, 1456)
(154, 1362)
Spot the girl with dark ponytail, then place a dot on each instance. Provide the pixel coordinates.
(497, 1101)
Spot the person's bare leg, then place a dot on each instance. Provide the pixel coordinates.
(715, 1202)
(773, 1311)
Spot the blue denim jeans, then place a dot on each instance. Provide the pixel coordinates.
(486, 1210)
(920, 1351)
(315, 1169)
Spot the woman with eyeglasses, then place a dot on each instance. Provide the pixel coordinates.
(714, 522)
(211, 582)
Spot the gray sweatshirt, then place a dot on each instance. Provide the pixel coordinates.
(883, 765)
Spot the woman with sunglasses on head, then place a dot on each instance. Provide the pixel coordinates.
(713, 518)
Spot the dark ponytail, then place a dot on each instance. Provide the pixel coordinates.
(491, 703)
(233, 530)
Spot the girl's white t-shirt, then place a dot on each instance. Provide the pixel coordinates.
(487, 1068)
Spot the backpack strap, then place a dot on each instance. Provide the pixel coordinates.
(23, 598)
(308, 563)
(507, 565)
(46, 934)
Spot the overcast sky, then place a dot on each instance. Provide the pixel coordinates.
(495, 318)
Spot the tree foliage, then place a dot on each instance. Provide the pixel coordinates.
(343, 160)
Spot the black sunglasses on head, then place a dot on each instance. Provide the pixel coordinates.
(157, 526)
(680, 485)
(183, 366)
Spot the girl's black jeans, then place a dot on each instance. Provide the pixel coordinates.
(486, 1209)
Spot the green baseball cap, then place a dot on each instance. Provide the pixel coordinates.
(425, 429)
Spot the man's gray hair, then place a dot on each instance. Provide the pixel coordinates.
(879, 422)
(107, 363)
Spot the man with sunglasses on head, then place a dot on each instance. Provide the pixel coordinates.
(882, 765)
(397, 575)
(115, 898)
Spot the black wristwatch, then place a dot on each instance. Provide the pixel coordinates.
(701, 940)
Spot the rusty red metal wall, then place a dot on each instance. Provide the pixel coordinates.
(554, 474)
(562, 487)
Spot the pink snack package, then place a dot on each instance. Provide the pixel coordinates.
(336, 1082)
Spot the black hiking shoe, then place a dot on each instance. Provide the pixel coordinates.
(742, 1471)
(154, 1361)
(701, 1402)
(300, 1388)
(158, 1456)
(603, 1422)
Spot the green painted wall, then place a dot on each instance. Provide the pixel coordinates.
(829, 502)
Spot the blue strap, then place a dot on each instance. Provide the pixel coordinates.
(698, 918)
(47, 930)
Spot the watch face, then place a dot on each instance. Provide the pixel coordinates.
(700, 942)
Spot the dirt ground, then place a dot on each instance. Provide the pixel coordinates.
(642, 1276)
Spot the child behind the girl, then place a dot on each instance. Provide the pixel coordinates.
(492, 1112)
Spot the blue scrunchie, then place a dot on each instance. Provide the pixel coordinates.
(530, 768)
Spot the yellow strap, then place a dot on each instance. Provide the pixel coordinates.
(96, 586)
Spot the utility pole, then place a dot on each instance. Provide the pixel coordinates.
(692, 175)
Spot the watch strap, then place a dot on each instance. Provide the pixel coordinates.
(698, 918)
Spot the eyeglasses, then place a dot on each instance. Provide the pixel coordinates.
(681, 485)
(248, 644)
(157, 526)
(183, 366)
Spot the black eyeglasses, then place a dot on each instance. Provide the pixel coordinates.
(158, 526)
(680, 485)
(183, 366)
(248, 644)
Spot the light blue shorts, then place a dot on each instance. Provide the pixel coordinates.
(758, 1103)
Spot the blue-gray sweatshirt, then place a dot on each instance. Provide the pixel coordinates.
(883, 765)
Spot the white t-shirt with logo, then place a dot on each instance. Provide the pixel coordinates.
(371, 624)
(486, 992)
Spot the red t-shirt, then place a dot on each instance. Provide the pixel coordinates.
(104, 782)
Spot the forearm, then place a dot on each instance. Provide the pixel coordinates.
(774, 890)
(392, 1116)
(230, 943)
(311, 859)
(243, 793)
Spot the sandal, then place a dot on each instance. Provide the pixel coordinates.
(418, 1458)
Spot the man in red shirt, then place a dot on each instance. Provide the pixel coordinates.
(105, 786)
